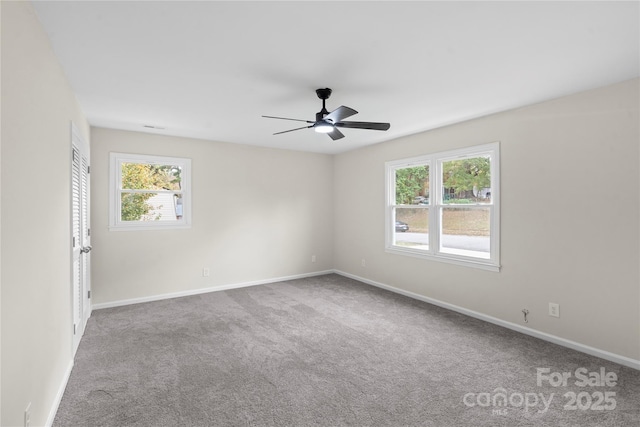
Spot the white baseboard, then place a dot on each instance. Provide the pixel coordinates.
(205, 290)
(622, 360)
(59, 394)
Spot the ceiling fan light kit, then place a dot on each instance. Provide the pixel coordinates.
(329, 122)
(323, 127)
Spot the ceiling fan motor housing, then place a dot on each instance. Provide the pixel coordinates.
(320, 114)
(323, 93)
(329, 122)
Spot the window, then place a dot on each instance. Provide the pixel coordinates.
(445, 207)
(149, 192)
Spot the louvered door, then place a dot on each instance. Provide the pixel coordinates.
(81, 236)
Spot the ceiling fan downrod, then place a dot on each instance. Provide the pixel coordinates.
(323, 94)
(329, 122)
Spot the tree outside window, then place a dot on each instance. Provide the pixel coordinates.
(444, 206)
(149, 192)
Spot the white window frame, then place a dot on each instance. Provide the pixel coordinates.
(435, 206)
(115, 178)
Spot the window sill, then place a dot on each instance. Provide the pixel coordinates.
(137, 227)
(446, 258)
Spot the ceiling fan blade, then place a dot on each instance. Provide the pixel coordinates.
(291, 130)
(286, 118)
(340, 113)
(335, 134)
(364, 125)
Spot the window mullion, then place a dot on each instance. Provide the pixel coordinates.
(435, 179)
(460, 217)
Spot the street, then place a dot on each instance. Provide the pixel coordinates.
(469, 243)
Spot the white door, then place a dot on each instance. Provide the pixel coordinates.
(81, 235)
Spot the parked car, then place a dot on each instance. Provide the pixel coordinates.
(418, 199)
(402, 226)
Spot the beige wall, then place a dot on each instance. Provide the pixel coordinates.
(37, 109)
(570, 209)
(258, 214)
(570, 218)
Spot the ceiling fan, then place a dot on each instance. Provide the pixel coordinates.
(329, 122)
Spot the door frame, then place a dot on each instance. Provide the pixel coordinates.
(84, 303)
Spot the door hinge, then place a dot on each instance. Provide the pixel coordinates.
(88, 169)
(74, 242)
(88, 232)
(74, 329)
(89, 294)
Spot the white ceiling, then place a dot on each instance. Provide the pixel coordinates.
(211, 69)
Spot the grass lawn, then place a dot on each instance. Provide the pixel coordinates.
(458, 221)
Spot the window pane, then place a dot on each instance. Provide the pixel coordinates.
(466, 181)
(412, 228)
(145, 176)
(466, 231)
(151, 207)
(412, 185)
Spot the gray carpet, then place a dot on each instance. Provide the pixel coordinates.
(325, 351)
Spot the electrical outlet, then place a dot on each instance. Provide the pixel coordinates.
(27, 415)
(554, 309)
(363, 262)
(313, 258)
(205, 272)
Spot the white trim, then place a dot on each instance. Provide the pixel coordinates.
(83, 149)
(56, 402)
(612, 357)
(603, 354)
(139, 227)
(434, 162)
(159, 297)
(115, 223)
(446, 258)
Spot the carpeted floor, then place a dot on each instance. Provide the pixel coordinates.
(328, 351)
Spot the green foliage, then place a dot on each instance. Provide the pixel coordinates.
(134, 206)
(462, 176)
(411, 182)
(142, 176)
